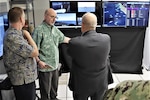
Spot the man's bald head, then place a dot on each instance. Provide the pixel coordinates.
(90, 20)
(49, 11)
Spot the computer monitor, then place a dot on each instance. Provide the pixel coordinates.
(114, 14)
(122, 13)
(66, 19)
(63, 6)
(2, 31)
(6, 23)
(86, 6)
(79, 20)
(138, 13)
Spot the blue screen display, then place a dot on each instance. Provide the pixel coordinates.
(114, 14)
(2, 31)
(4, 25)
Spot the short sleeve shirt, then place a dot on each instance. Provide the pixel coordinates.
(48, 39)
(21, 68)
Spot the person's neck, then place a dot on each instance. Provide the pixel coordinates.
(17, 26)
(88, 30)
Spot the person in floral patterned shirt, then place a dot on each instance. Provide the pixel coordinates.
(20, 51)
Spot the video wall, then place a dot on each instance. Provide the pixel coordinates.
(70, 13)
(110, 13)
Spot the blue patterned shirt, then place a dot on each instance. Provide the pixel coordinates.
(20, 67)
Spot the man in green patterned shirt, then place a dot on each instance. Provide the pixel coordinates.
(48, 37)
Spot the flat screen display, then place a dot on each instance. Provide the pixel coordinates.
(6, 23)
(86, 6)
(137, 13)
(2, 31)
(79, 20)
(63, 6)
(66, 19)
(126, 13)
(114, 14)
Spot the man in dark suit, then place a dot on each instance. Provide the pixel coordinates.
(89, 52)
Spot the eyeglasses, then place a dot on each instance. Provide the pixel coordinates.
(53, 16)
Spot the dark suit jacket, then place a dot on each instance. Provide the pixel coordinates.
(89, 54)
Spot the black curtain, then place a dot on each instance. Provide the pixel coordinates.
(126, 48)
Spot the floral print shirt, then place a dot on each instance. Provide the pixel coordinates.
(20, 67)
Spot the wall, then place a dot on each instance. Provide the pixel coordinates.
(146, 53)
(39, 8)
(3, 7)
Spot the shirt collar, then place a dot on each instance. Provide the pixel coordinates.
(49, 26)
(88, 32)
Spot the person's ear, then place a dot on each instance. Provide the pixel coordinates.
(22, 20)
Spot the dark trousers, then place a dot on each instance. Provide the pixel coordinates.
(94, 96)
(48, 82)
(25, 91)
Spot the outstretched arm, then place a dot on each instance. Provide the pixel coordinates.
(66, 39)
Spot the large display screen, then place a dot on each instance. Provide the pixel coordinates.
(63, 6)
(66, 19)
(125, 13)
(114, 14)
(86, 6)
